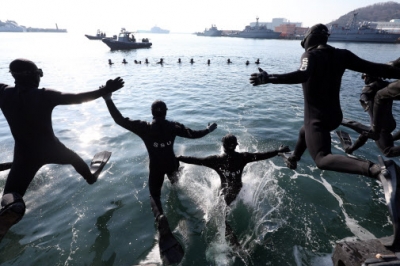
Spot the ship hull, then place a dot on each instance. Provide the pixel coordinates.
(117, 45)
(257, 35)
(371, 38)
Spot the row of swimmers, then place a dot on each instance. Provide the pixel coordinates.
(146, 61)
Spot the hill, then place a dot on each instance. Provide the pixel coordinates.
(376, 12)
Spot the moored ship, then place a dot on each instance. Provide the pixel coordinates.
(361, 32)
(211, 32)
(256, 32)
(154, 29)
(11, 26)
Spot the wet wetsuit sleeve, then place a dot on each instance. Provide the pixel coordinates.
(125, 122)
(5, 166)
(184, 132)
(60, 98)
(207, 161)
(253, 157)
(355, 63)
(296, 77)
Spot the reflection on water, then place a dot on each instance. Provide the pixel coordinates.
(102, 241)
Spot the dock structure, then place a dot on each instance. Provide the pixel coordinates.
(365, 252)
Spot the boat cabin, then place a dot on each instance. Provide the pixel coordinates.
(126, 36)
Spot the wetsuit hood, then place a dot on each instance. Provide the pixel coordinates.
(316, 35)
(229, 142)
(159, 109)
(25, 73)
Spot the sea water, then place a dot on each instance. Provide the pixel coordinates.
(281, 216)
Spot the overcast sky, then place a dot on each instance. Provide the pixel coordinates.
(176, 15)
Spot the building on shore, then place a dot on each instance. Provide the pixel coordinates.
(276, 22)
(291, 31)
(393, 26)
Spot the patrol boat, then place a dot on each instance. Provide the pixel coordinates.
(125, 41)
(361, 32)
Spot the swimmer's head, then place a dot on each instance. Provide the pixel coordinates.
(316, 35)
(159, 109)
(25, 72)
(229, 142)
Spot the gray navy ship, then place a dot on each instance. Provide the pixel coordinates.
(256, 32)
(361, 32)
(211, 32)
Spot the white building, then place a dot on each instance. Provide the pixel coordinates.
(276, 22)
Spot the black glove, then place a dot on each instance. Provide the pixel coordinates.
(283, 149)
(211, 127)
(113, 85)
(259, 78)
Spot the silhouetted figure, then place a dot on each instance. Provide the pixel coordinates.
(247, 62)
(179, 61)
(136, 62)
(110, 62)
(146, 61)
(161, 61)
(208, 62)
(124, 61)
(28, 110)
(229, 167)
(191, 61)
(159, 137)
(257, 61)
(229, 61)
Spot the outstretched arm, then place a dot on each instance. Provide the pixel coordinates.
(77, 98)
(185, 132)
(252, 157)
(194, 160)
(124, 122)
(5, 166)
(263, 77)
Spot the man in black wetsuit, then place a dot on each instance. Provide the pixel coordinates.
(229, 167)
(27, 110)
(386, 140)
(320, 73)
(159, 137)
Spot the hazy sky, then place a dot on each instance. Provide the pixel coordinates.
(176, 15)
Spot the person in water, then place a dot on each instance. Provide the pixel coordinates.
(321, 70)
(28, 110)
(229, 166)
(386, 140)
(158, 137)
